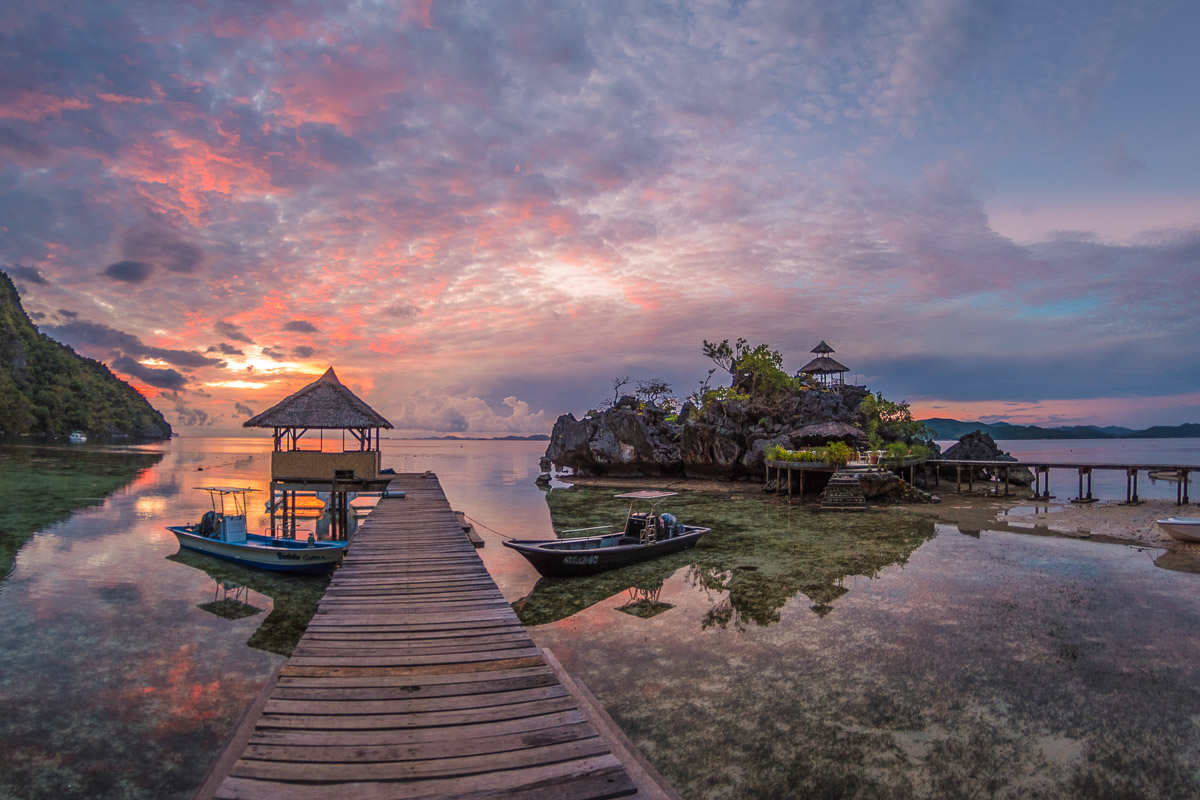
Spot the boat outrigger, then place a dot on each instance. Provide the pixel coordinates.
(222, 533)
(647, 534)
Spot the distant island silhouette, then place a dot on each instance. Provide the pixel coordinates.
(953, 429)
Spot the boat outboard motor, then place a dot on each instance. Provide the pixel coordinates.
(208, 524)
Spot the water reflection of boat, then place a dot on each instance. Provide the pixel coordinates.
(647, 534)
(1185, 529)
(222, 533)
(294, 598)
(230, 601)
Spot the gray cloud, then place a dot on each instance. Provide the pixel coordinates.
(304, 351)
(161, 378)
(109, 342)
(162, 246)
(300, 326)
(28, 274)
(129, 271)
(189, 417)
(231, 331)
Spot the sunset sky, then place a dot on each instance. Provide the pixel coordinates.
(479, 213)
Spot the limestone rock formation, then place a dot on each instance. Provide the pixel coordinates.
(979, 446)
(724, 440)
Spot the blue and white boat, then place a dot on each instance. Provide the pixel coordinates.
(222, 533)
(77, 437)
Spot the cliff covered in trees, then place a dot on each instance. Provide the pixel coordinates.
(47, 389)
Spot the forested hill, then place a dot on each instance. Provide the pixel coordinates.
(953, 429)
(48, 389)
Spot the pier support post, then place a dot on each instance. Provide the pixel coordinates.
(1183, 481)
(1041, 484)
(958, 478)
(1082, 497)
(1131, 487)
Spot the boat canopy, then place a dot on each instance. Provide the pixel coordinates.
(227, 489)
(649, 494)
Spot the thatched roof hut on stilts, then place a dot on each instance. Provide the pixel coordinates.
(829, 372)
(302, 464)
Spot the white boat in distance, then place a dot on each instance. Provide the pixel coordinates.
(222, 533)
(77, 437)
(1185, 529)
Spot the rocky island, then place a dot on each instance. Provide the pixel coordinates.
(725, 432)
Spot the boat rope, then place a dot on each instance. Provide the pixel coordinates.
(486, 528)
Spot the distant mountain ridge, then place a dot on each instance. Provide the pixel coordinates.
(47, 389)
(953, 429)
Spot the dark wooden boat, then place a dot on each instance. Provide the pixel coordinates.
(647, 534)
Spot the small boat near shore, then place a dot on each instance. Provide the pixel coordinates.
(1166, 475)
(1185, 529)
(222, 533)
(77, 437)
(647, 534)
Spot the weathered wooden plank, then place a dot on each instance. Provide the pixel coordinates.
(407, 682)
(431, 719)
(316, 706)
(493, 783)
(460, 766)
(475, 730)
(305, 692)
(418, 751)
(289, 669)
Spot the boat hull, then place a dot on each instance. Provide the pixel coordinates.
(587, 556)
(1185, 529)
(261, 552)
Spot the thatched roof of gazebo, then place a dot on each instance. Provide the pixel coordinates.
(324, 403)
(823, 365)
(822, 349)
(826, 431)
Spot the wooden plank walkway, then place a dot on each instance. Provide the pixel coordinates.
(416, 680)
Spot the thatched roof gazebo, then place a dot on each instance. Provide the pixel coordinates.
(325, 404)
(827, 371)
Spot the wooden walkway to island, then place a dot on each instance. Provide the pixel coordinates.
(416, 680)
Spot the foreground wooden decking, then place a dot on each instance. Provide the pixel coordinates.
(415, 679)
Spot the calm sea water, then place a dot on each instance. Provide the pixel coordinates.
(792, 654)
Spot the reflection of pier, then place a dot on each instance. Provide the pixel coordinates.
(415, 679)
(1041, 474)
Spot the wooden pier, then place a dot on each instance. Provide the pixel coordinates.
(416, 680)
(1041, 474)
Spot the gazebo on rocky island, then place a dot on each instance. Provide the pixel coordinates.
(828, 372)
(325, 404)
